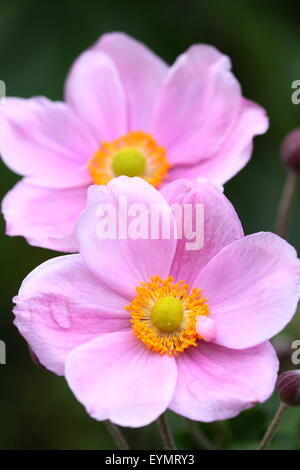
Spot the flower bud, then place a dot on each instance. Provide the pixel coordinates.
(206, 328)
(290, 150)
(288, 387)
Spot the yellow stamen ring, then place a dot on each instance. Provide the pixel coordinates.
(134, 154)
(164, 314)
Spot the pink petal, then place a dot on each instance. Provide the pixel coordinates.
(124, 263)
(62, 305)
(45, 141)
(252, 288)
(142, 73)
(234, 153)
(95, 91)
(216, 383)
(45, 217)
(221, 225)
(199, 105)
(116, 377)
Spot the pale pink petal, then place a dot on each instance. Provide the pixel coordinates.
(199, 105)
(117, 377)
(252, 288)
(121, 260)
(45, 217)
(61, 305)
(45, 141)
(221, 225)
(216, 383)
(233, 154)
(95, 91)
(142, 73)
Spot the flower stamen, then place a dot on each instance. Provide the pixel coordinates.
(164, 315)
(134, 154)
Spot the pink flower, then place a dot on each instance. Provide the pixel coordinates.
(126, 112)
(128, 337)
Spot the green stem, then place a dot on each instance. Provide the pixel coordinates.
(166, 433)
(199, 436)
(273, 427)
(286, 203)
(117, 435)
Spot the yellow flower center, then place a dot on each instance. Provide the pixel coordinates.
(167, 314)
(134, 154)
(164, 315)
(129, 162)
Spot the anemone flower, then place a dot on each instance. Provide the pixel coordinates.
(125, 113)
(137, 326)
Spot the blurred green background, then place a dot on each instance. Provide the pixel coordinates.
(38, 42)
